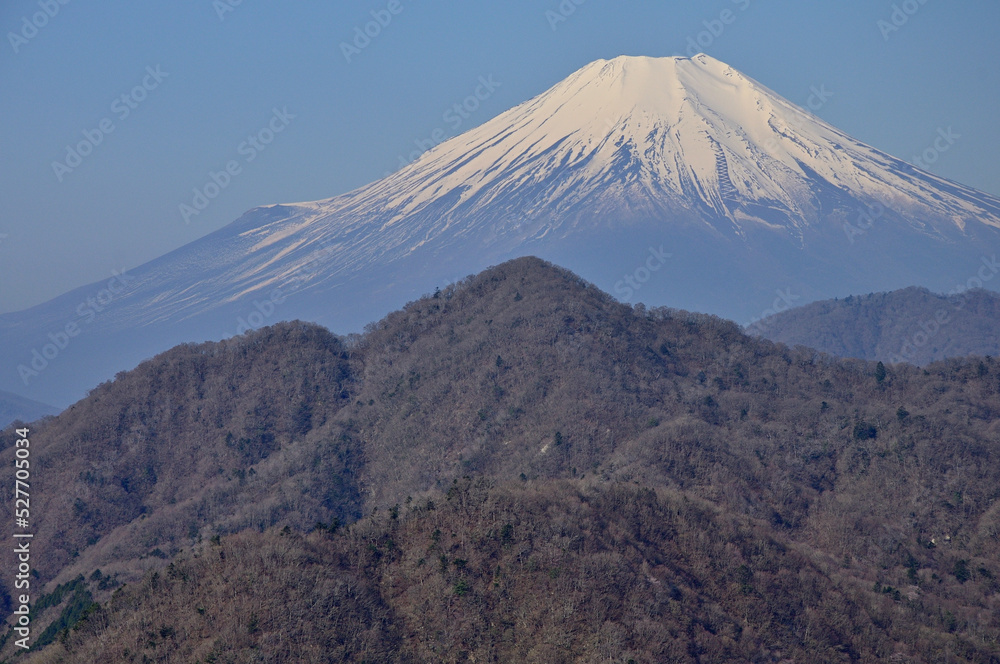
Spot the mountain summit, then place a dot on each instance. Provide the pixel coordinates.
(676, 181)
(528, 471)
(680, 144)
(664, 139)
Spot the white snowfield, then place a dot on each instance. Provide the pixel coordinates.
(653, 136)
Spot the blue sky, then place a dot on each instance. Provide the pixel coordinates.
(166, 96)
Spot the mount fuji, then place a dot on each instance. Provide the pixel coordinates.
(671, 181)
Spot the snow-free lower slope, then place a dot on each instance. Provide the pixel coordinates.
(675, 181)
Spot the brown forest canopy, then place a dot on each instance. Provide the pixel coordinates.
(645, 484)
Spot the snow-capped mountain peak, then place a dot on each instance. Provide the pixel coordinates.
(680, 167)
(691, 138)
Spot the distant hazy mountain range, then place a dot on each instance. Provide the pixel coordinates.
(13, 407)
(675, 181)
(908, 325)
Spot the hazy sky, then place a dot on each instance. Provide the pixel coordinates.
(164, 95)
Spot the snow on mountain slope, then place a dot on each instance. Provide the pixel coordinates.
(734, 191)
(673, 141)
(648, 135)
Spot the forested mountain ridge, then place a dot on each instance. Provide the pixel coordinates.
(197, 439)
(689, 491)
(909, 325)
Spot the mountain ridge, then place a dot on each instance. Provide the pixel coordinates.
(910, 325)
(509, 443)
(745, 191)
(14, 407)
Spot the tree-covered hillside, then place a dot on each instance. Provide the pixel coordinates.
(520, 468)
